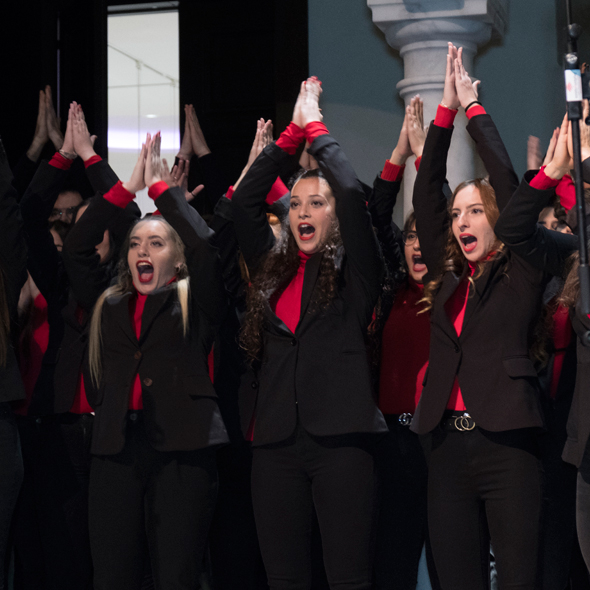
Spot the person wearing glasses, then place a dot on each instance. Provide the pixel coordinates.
(65, 206)
(403, 337)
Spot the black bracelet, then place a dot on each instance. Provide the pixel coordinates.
(471, 104)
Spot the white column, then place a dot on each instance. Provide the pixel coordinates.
(420, 31)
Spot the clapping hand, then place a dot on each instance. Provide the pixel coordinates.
(82, 141)
(467, 90)
(561, 161)
(415, 125)
(262, 138)
(178, 176)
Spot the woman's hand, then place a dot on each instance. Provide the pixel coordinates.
(551, 148)
(560, 163)
(83, 142)
(534, 158)
(41, 136)
(68, 148)
(199, 144)
(53, 129)
(262, 138)
(153, 163)
(310, 107)
(466, 89)
(415, 125)
(186, 151)
(402, 150)
(178, 176)
(297, 109)
(136, 182)
(450, 97)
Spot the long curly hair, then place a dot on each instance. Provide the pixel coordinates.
(571, 289)
(454, 259)
(276, 272)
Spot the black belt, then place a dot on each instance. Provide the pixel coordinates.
(458, 422)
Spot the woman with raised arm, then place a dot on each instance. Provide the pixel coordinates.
(153, 475)
(479, 412)
(310, 302)
(403, 335)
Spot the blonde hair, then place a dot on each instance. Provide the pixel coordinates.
(125, 284)
(455, 260)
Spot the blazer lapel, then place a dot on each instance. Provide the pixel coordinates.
(312, 269)
(153, 305)
(120, 309)
(449, 285)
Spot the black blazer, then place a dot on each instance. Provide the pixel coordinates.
(319, 374)
(180, 405)
(491, 357)
(13, 261)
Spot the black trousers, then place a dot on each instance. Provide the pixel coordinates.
(144, 501)
(336, 476)
(401, 529)
(479, 484)
(11, 476)
(51, 543)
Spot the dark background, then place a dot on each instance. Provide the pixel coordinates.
(239, 61)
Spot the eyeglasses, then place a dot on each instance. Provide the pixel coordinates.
(409, 237)
(60, 212)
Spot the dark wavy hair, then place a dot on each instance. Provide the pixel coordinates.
(279, 268)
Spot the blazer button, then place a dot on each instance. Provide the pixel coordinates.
(137, 355)
(293, 342)
(147, 381)
(254, 384)
(456, 348)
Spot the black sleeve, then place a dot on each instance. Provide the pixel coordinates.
(356, 229)
(492, 151)
(24, 171)
(517, 228)
(202, 258)
(102, 177)
(430, 199)
(44, 261)
(253, 232)
(381, 204)
(13, 249)
(586, 170)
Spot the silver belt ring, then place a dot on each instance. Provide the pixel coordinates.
(405, 419)
(464, 423)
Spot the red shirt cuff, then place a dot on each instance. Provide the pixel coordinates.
(157, 189)
(290, 138)
(157, 212)
(119, 196)
(276, 192)
(542, 182)
(444, 117)
(566, 191)
(58, 161)
(392, 172)
(315, 129)
(92, 160)
(475, 110)
(417, 163)
(230, 193)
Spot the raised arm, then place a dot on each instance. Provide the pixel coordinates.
(487, 139)
(207, 289)
(429, 196)
(517, 225)
(356, 229)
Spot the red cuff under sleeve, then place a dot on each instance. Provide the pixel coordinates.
(276, 192)
(157, 212)
(475, 110)
(290, 138)
(119, 195)
(157, 189)
(315, 129)
(542, 181)
(230, 193)
(417, 163)
(92, 160)
(566, 191)
(392, 172)
(444, 117)
(58, 161)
